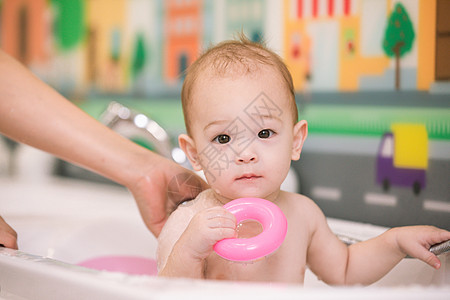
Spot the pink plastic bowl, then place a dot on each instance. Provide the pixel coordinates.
(274, 225)
(133, 265)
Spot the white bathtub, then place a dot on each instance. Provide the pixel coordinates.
(62, 222)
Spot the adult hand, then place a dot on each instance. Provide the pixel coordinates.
(161, 189)
(8, 237)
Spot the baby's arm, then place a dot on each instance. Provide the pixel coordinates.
(187, 240)
(369, 261)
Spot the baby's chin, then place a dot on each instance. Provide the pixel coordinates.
(226, 196)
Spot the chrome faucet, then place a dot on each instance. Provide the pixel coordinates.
(137, 126)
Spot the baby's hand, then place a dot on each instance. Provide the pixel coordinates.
(416, 241)
(206, 228)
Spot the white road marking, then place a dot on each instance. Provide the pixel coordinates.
(326, 193)
(380, 199)
(435, 205)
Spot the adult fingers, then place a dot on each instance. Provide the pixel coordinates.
(8, 237)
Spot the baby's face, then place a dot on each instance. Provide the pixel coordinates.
(243, 133)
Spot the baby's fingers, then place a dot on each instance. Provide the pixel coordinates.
(221, 218)
(222, 224)
(436, 236)
(429, 258)
(222, 228)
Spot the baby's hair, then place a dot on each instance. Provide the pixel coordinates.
(234, 58)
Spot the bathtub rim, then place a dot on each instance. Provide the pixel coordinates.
(51, 279)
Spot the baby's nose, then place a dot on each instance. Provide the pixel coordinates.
(246, 157)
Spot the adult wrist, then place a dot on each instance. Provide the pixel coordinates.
(136, 165)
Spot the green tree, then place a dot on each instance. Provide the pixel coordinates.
(69, 22)
(139, 57)
(398, 37)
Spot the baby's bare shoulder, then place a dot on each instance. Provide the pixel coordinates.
(298, 202)
(301, 211)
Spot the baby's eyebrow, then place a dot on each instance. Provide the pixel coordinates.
(259, 118)
(216, 122)
(266, 117)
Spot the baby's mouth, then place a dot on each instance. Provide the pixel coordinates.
(248, 177)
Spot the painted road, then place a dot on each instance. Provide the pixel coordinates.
(338, 173)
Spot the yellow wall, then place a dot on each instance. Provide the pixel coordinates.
(351, 67)
(426, 39)
(297, 67)
(104, 16)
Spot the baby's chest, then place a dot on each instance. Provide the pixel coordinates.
(286, 264)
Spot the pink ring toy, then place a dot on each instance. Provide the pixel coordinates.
(274, 225)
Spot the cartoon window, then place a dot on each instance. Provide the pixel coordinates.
(349, 41)
(115, 44)
(182, 63)
(387, 149)
(295, 45)
(442, 67)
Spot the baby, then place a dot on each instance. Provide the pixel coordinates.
(242, 131)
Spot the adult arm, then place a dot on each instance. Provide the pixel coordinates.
(33, 113)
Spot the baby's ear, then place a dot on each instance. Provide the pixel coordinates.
(300, 132)
(188, 146)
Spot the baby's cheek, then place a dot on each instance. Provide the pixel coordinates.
(214, 162)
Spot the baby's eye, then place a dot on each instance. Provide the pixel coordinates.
(222, 139)
(265, 133)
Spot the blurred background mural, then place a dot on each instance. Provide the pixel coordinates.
(368, 74)
(142, 47)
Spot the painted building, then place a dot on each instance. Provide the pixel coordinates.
(23, 25)
(183, 35)
(337, 45)
(247, 16)
(106, 64)
(141, 46)
(360, 42)
(323, 46)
